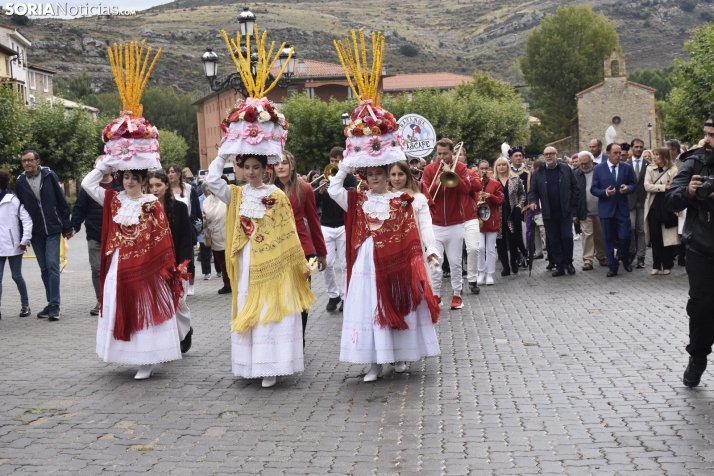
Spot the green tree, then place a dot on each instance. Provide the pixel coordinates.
(660, 79)
(485, 85)
(564, 56)
(172, 148)
(68, 141)
(692, 98)
(78, 88)
(315, 128)
(14, 127)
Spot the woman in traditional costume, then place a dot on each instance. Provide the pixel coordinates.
(264, 259)
(307, 222)
(390, 309)
(141, 286)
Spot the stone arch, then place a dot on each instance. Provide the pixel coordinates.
(615, 68)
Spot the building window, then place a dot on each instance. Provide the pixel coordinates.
(45, 82)
(311, 93)
(616, 120)
(32, 79)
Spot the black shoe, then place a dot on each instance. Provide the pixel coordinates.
(514, 268)
(25, 311)
(540, 256)
(558, 272)
(694, 371)
(506, 272)
(224, 290)
(186, 342)
(612, 273)
(342, 306)
(549, 267)
(571, 269)
(641, 262)
(95, 310)
(447, 274)
(473, 287)
(627, 266)
(54, 314)
(45, 313)
(332, 304)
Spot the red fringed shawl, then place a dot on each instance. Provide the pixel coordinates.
(402, 281)
(149, 284)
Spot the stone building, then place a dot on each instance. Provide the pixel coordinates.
(627, 106)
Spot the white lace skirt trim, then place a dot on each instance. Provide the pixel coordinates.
(149, 346)
(265, 350)
(363, 341)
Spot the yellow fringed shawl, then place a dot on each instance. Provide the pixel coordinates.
(277, 285)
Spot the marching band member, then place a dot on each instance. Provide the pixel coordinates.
(447, 216)
(489, 210)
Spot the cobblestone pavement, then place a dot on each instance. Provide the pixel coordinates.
(571, 375)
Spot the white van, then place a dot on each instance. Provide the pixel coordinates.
(229, 171)
(201, 176)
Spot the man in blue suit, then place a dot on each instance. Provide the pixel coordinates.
(612, 182)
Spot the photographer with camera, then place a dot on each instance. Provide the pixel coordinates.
(693, 189)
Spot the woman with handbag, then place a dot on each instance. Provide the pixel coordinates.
(214, 210)
(661, 229)
(511, 237)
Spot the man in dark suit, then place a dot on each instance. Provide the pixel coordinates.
(612, 182)
(637, 203)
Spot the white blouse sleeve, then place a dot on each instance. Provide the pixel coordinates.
(423, 217)
(216, 184)
(336, 190)
(91, 184)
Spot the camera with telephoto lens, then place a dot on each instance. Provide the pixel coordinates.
(706, 188)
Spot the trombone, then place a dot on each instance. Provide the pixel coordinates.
(448, 178)
(329, 172)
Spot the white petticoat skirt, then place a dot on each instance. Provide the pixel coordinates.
(265, 350)
(363, 340)
(148, 346)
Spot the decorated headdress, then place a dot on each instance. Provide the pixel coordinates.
(515, 149)
(131, 143)
(255, 126)
(373, 137)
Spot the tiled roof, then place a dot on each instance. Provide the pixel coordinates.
(307, 67)
(409, 82)
(595, 86)
(41, 68)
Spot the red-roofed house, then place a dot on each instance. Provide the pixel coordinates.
(407, 83)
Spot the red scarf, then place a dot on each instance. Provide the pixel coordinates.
(149, 285)
(402, 282)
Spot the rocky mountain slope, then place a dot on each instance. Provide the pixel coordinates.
(430, 35)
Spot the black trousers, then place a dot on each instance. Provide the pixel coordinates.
(662, 256)
(700, 306)
(204, 256)
(559, 232)
(515, 242)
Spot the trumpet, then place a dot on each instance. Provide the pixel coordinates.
(448, 179)
(329, 172)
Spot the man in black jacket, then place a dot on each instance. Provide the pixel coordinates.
(698, 237)
(38, 189)
(556, 187)
(88, 211)
(332, 221)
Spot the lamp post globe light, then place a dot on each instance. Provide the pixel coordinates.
(649, 129)
(345, 118)
(246, 19)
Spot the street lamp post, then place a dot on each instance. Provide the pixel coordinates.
(649, 129)
(233, 81)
